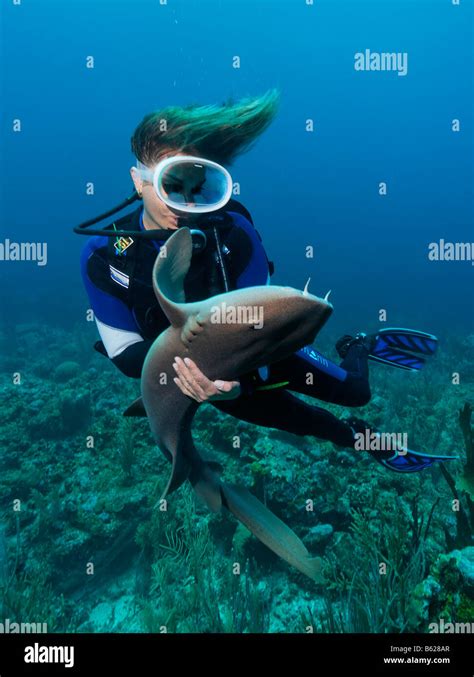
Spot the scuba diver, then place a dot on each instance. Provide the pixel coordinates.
(181, 179)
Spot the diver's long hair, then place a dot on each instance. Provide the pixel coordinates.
(217, 132)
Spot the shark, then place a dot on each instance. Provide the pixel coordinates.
(270, 323)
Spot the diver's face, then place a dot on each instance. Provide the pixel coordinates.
(157, 214)
(187, 182)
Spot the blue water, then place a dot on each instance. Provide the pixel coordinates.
(302, 188)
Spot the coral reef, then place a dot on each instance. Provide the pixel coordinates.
(85, 545)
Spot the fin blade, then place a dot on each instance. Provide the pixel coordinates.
(412, 461)
(411, 340)
(396, 358)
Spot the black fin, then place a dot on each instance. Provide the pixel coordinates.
(137, 408)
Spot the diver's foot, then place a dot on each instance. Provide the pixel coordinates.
(346, 342)
(357, 425)
(342, 345)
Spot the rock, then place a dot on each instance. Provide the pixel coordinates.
(90, 504)
(36, 404)
(446, 594)
(102, 617)
(423, 596)
(240, 539)
(319, 535)
(378, 402)
(75, 412)
(66, 371)
(465, 565)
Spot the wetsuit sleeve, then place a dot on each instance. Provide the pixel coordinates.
(117, 327)
(130, 361)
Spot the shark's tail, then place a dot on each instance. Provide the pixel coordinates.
(269, 529)
(266, 526)
(206, 483)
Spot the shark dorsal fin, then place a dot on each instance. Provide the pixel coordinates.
(169, 271)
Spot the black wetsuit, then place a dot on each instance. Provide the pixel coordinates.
(129, 319)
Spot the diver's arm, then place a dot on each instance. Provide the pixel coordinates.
(121, 338)
(126, 349)
(130, 361)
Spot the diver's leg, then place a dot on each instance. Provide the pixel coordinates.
(310, 373)
(281, 410)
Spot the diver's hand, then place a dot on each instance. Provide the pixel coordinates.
(192, 382)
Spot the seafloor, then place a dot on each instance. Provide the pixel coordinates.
(83, 546)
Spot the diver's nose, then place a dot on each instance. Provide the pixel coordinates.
(189, 197)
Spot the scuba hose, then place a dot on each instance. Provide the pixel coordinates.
(213, 222)
(220, 259)
(84, 227)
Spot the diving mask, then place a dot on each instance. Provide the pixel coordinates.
(189, 184)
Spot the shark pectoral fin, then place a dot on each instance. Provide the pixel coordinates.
(137, 408)
(169, 271)
(269, 529)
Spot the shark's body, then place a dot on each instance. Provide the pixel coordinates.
(291, 320)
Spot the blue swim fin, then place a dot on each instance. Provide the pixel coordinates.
(412, 461)
(403, 348)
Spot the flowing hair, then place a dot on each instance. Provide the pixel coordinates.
(217, 132)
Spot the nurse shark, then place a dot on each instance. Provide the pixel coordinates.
(287, 319)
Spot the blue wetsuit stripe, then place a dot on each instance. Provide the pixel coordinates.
(321, 363)
(107, 308)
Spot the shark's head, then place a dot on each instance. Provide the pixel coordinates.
(255, 325)
(267, 323)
